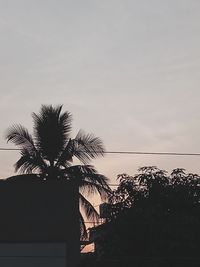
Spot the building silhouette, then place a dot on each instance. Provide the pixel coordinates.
(39, 222)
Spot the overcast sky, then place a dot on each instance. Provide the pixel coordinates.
(127, 70)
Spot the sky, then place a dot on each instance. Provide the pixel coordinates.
(127, 70)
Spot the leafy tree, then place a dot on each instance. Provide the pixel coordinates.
(154, 219)
(49, 153)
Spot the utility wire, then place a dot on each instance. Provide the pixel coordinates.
(152, 153)
(9, 149)
(129, 152)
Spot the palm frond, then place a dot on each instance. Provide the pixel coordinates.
(91, 188)
(83, 230)
(30, 162)
(65, 120)
(88, 147)
(20, 136)
(98, 178)
(79, 172)
(67, 154)
(51, 131)
(89, 210)
(89, 180)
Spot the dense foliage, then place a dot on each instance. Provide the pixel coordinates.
(154, 220)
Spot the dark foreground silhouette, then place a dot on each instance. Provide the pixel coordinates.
(153, 220)
(50, 150)
(39, 223)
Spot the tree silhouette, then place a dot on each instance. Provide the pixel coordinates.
(49, 153)
(152, 219)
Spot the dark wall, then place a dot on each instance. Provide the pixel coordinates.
(32, 210)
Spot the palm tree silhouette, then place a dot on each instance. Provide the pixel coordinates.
(49, 153)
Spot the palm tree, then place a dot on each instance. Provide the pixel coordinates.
(49, 153)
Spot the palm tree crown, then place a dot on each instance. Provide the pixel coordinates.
(49, 152)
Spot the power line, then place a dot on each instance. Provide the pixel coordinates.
(129, 152)
(153, 153)
(9, 149)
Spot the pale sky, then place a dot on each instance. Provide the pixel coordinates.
(127, 70)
